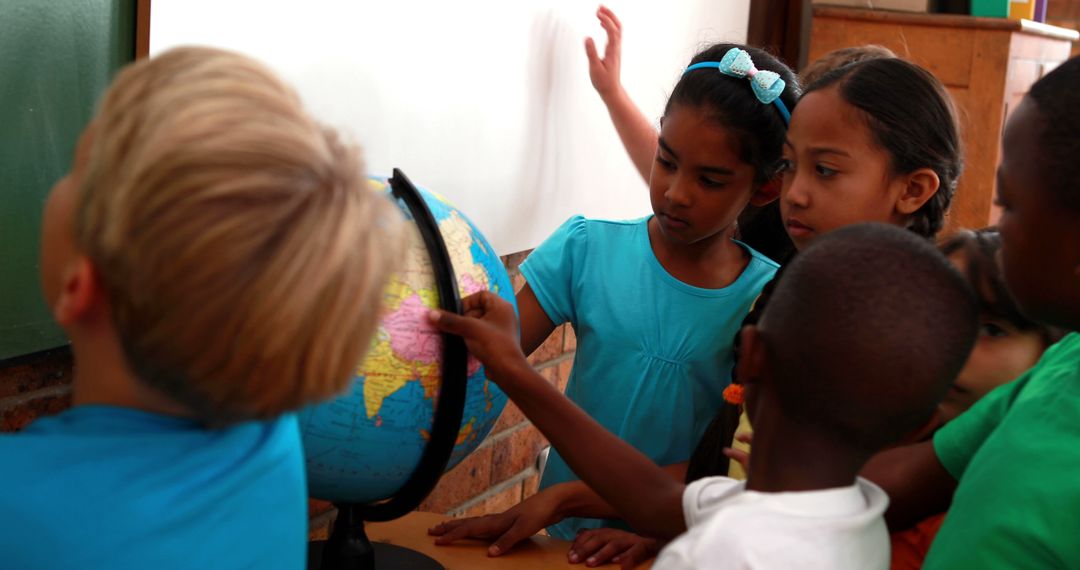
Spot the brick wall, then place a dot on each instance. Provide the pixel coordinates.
(498, 475)
(34, 386)
(1065, 13)
(502, 470)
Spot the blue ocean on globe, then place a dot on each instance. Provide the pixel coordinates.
(362, 446)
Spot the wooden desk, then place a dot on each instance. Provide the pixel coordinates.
(410, 531)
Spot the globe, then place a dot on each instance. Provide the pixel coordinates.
(363, 445)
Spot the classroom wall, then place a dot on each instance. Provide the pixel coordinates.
(486, 102)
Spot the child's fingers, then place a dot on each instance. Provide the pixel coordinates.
(483, 527)
(633, 556)
(745, 437)
(606, 553)
(438, 530)
(451, 323)
(611, 15)
(614, 34)
(481, 301)
(510, 538)
(590, 52)
(585, 545)
(741, 456)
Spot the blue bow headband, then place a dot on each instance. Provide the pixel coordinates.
(767, 85)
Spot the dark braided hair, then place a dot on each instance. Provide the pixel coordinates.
(912, 117)
(980, 249)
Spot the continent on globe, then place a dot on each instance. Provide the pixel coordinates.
(362, 446)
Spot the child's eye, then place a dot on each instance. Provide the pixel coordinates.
(992, 330)
(785, 166)
(824, 171)
(665, 164)
(710, 183)
(1000, 203)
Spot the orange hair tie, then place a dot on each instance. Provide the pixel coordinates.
(733, 394)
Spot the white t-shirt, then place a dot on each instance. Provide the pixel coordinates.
(730, 527)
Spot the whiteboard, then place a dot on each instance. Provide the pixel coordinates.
(485, 102)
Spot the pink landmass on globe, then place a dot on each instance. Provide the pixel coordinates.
(411, 335)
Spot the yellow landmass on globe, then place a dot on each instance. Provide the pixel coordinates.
(468, 432)
(458, 235)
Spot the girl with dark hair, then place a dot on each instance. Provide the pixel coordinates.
(873, 141)
(656, 302)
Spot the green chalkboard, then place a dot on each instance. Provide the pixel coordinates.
(56, 59)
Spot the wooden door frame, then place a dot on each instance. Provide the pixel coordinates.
(781, 27)
(142, 29)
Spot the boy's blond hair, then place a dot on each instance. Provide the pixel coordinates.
(243, 253)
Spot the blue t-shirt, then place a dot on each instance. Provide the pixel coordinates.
(110, 487)
(654, 354)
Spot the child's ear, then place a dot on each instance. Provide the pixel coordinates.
(767, 192)
(751, 355)
(919, 187)
(81, 292)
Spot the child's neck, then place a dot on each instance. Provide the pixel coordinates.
(787, 457)
(712, 263)
(102, 377)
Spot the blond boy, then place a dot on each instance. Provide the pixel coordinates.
(217, 262)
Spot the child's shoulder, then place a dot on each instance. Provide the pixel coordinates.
(594, 234)
(762, 261)
(582, 223)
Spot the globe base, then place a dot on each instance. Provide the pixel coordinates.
(384, 557)
(350, 549)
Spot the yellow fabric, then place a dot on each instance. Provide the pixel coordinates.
(735, 469)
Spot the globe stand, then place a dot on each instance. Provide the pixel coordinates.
(350, 549)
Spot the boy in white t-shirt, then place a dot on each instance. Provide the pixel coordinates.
(860, 342)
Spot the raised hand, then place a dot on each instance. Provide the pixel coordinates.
(604, 73)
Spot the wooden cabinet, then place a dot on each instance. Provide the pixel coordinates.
(987, 64)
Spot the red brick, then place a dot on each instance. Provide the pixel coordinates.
(517, 281)
(470, 478)
(515, 453)
(317, 507)
(551, 349)
(570, 343)
(513, 261)
(530, 486)
(550, 373)
(496, 503)
(50, 369)
(319, 527)
(562, 374)
(511, 417)
(19, 415)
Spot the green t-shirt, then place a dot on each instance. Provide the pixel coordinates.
(1016, 454)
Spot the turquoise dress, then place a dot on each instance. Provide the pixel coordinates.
(654, 354)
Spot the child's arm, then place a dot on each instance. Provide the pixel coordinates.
(536, 326)
(635, 130)
(644, 494)
(506, 529)
(915, 480)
